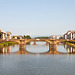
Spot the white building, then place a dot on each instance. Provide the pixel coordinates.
(58, 37)
(69, 35)
(53, 37)
(3, 37)
(8, 35)
(65, 36)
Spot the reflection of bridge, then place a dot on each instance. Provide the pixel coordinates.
(26, 52)
(7, 50)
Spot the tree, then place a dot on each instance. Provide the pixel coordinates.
(0, 34)
(24, 36)
(18, 37)
(28, 37)
(13, 37)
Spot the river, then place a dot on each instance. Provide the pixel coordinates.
(14, 62)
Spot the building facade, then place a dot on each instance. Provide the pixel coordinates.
(53, 37)
(69, 35)
(5, 35)
(65, 36)
(8, 35)
(58, 37)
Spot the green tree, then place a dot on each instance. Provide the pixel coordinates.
(28, 37)
(0, 34)
(13, 37)
(18, 37)
(24, 36)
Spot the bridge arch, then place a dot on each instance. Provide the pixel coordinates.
(22, 43)
(37, 41)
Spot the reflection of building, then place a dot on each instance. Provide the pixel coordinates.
(4, 50)
(9, 49)
(69, 48)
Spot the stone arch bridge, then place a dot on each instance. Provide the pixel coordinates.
(52, 42)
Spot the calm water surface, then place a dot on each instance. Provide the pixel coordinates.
(27, 64)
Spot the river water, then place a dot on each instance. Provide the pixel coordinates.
(14, 62)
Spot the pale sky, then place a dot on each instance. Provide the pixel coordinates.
(37, 17)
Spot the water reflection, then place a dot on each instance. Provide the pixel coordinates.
(9, 49)
(53, 50)
(5, 50)
(70, 49)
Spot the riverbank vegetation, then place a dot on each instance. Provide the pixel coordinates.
(70, 43)
(0, 34)
(6, 44)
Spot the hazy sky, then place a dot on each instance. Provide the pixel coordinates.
(37, 17)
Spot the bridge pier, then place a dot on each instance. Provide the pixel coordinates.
(47, 43)
(22, 45)
(34, 43)
(53, 47)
